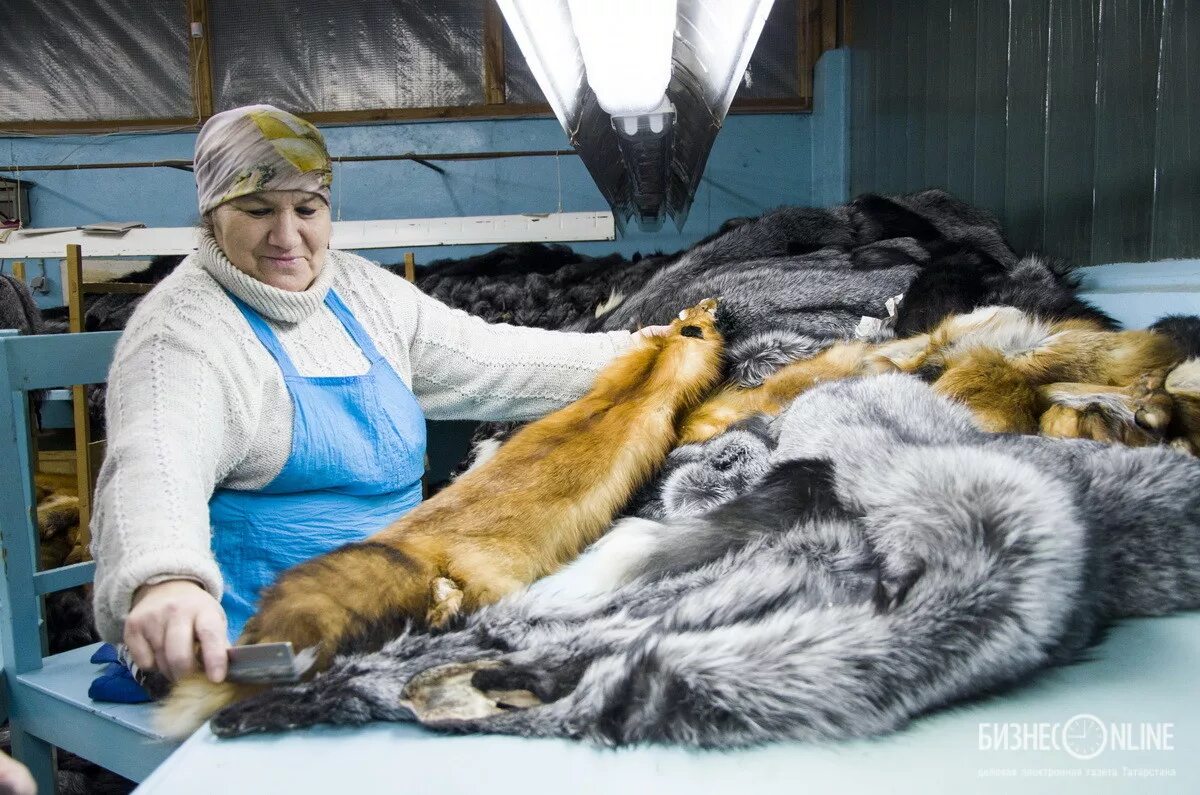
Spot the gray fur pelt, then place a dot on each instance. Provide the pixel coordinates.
(870, 556)
(17, 309)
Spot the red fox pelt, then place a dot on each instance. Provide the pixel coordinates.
(549, 492)
(1017, 374)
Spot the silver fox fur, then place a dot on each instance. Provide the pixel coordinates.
(883, 559)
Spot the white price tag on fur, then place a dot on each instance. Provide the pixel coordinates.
(868, 327)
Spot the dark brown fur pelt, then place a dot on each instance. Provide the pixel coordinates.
(69, 620)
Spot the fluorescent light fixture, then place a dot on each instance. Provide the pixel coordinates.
(544, 33)
(641, 88)
(626, 46)
(715, 40)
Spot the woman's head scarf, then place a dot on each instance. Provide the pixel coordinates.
(257, 148)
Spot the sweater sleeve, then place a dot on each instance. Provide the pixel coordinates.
(467, 368)
(176, 424)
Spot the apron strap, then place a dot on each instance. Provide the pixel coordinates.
(266, 336)
(353, 327)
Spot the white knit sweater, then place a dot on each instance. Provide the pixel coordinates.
(196, 402)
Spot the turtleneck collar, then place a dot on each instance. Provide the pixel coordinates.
(270, 302)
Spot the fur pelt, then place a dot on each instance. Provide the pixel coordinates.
(534, 284)
(17, 309)
(1019, 373)
(111, 311)
(796, 280)
(548, 493)
(69, 620)
(1184, 330)
(892, 560)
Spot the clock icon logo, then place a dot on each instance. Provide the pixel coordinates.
(1084, 736)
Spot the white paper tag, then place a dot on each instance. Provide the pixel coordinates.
(868, 327)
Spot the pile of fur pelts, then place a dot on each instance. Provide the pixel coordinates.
(796, 280)
(868, 554)
(111, 311)
(808, 271)
(69, 622)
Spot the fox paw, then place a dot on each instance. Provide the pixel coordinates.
(1183, 385)
(697, 322)
(446, 600)
(1136, 415)
(447, 694)
(1151, 404)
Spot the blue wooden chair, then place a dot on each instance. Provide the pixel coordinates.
(46, 696)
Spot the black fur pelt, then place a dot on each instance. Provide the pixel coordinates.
(110, 312)
(1184, 330)
(816, 272)
(872, 558)
(532, 284)
(70, 622)
(961, 280)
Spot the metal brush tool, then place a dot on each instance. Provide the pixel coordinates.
(266, 664)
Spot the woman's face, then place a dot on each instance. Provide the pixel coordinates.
(278, 236)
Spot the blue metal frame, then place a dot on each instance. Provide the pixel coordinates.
(42, 712)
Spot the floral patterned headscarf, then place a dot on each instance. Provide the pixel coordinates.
(256, 148)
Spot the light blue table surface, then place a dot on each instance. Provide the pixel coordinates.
(1143, 674)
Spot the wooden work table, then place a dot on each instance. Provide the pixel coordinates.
(1144, 672)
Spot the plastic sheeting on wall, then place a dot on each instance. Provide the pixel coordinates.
(332, 55)
(78, 60)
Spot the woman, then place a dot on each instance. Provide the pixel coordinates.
(267, 401)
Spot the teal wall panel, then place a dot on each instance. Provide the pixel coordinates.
(1177, 142)
(960, 99)
(1070, 128)
(991, 86)
(1077, 122)
(937, 92)
(1025, 130)
(831, 129)
(1126, 99)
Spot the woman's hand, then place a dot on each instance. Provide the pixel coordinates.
(168, 619)
(15, 778)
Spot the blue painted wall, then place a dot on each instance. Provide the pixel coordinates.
(758, 162)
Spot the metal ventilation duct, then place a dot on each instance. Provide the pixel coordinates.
(641, 88)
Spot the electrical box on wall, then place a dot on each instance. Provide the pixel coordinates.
(14, 202)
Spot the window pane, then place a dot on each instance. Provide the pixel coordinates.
(334, 55)
(79, 60)
(772, 72)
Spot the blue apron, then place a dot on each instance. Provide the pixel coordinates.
(358, 453)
